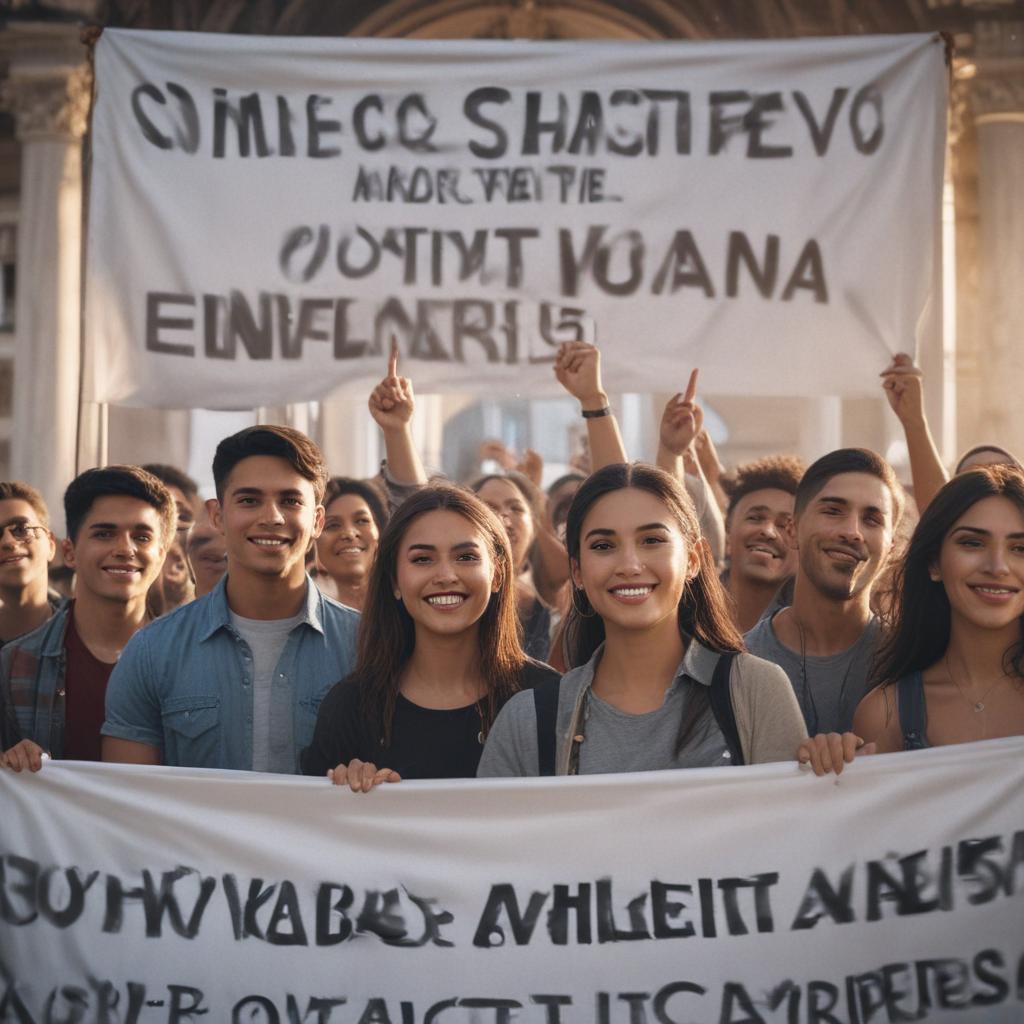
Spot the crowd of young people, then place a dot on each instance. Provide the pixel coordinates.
(633, 618)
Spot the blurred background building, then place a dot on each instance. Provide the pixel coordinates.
(974, 368)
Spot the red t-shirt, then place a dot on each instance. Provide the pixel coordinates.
(85, 683)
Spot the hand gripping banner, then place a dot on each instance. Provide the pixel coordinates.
(716, 896)
(264, 213)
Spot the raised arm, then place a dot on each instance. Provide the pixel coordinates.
(578, 369)
(903, 384)
(392, 405)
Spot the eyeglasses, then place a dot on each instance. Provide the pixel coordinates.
(21, 531)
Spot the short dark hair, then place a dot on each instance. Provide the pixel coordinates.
(173, 477)
(339, 486)
(301, 453)
(775, 472)
(117, 481)
(21, 491)
(848, 460)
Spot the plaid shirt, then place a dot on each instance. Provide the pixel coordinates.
(32, 671)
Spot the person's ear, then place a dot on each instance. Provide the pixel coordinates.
(934, 573)
(574, 572)
(791, 533)
(213, 510)
(67, 550)
(693, 559)
(318, 521)
(52, 541)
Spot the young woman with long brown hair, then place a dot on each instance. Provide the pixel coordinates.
(439, 649)
(658, 677)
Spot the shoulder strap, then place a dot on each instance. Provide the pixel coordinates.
(910, 697)
(721, 705)
(545, 702)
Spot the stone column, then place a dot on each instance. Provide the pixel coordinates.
(48, 90)
(998, 109)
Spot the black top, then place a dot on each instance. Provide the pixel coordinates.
(425, 743)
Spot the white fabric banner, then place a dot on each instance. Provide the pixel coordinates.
(265, 213)
(760, 895)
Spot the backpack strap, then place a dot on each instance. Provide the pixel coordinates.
(910, 690)
(721, 705)
(545, 702)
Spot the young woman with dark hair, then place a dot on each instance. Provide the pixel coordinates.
(951, 667)
(354, 516)
(658, 677)
(438, 651)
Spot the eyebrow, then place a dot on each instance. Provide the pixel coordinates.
(249, 491)
(18, 521)
(985, 533)
(605, 532)
(462, 546)
(835, 500)
(119, 526)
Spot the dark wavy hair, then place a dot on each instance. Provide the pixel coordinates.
(703, 611)
(918, 633)
(387, 632)
(339, 486)
(1007, 460)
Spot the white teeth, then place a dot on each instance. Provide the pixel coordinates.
(267, 542)
(633, 591)
(994, 590)
(446, 600)
(121, 572)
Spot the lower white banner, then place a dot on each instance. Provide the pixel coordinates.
(726, 896)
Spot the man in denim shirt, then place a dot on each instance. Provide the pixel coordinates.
(235, 679)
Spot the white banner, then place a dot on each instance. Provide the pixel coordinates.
(757, 895)
(265, 212)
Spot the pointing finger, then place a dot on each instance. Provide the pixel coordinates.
(393, 358)
(691, 387)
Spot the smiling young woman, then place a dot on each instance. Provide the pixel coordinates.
(952, 667)
(658, 676)
(439, 649)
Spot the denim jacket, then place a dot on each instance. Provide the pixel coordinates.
(32, 670)
(184, 684)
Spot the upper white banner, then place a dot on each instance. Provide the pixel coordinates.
(756, 895)
(265, 212)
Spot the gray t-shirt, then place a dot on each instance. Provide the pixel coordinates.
(273, 731)
(828, 688)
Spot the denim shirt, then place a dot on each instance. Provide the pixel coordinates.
(184, 683)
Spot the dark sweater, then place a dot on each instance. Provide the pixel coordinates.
(425, 743)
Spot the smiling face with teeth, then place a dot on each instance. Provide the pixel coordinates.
(758, 537)
(349, 539)
(269, 515)
(844, 535)
(23, 561)
(634, 562)
(444, 573)
(118, 550)
(981, 566)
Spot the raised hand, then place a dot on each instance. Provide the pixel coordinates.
(578, 369)
(682, 420)
(532, 466)
(391, 401)
(903, 383)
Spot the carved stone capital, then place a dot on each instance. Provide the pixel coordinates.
(53, 105)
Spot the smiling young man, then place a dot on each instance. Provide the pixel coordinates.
(120, 522)
(757, 521)
(235, 679)
(845, 513)
(26, 548)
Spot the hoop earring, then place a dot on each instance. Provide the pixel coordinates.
(579, 595)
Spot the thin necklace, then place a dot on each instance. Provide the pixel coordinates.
(979, 705)
(813, 718)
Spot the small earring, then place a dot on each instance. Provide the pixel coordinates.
(398, 595)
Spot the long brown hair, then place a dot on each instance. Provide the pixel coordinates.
(921, 617)
(703, 611)
(387, 632)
